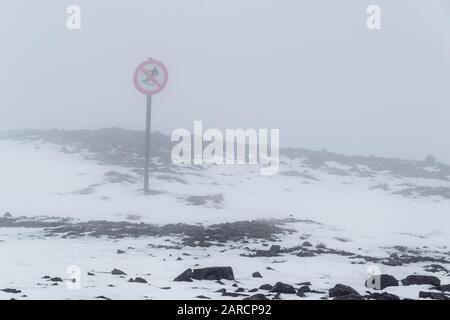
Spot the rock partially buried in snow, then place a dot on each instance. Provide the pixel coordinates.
(341, 290)
(185, 276)
(281, 287)
(267, 287)
(382, 296)
(256, 275)
(118, 272)
(213, 273)
(419, 279)
(258, 296)
(433, 295)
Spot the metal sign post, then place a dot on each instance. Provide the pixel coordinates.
(150, 78)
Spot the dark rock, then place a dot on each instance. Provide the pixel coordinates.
(305, 254)
(9, 290)
(280, 287)
(256, 275)
(56, 279)
(118, 272)
(213, 273)
(435, 268)
(90, 274)
(349, 297)
(222, 290)
(233, 294)
(340, 290)
(131, 280)
(270, 268)
(306, 283)
(120, 252)
(258, 296)
(7, 215)
(433, 295)
(381, 282)
(307, 244)
(140, 280)
(46, 277)
(240, 290)
(102, 297)
(267, 287)
(382, 296)
(303, 289)
(185, 276)
(419, 279)
(445, 287)
(202, 297)
(253, 290)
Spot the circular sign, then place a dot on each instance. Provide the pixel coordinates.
(150, 77)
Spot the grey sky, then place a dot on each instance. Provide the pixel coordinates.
(310, 68)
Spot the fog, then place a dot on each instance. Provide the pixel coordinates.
(310, 68)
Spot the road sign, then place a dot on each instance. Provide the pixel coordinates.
(150, 78)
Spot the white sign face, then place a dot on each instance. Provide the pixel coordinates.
(150, 77)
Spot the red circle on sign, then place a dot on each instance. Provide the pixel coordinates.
(150, 77)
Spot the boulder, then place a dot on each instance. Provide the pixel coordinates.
(256, 275)
(118, 272)
(213, 273)
(258, 296)
(185, 276)
(281, 287)
(433, 295)
(419, 279)
(341, 290)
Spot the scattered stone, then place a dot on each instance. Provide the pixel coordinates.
(270, 268)
(306, 283)
(222, 290)
(9, 290)
(7, 215)
(56, 279)
(102, 297)
(140, 280)
(445, 288)
(435, 268)
(349, 297)
(90, 274)
(118, 272)
(307, 244)
(256, 275)
(341, 290)
(280, 287)
(382, 296)
(303, 289)
(202, 297)
(240, 290)
(305, 254)
(433, 295)
(419, 279)
(213, 273)
(185, 276)
(253, 290)
(46, 277)
(267, 287)
(258, 296)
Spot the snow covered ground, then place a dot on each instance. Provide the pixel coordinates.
(367, 212)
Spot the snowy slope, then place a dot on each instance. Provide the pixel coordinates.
(359, 204)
